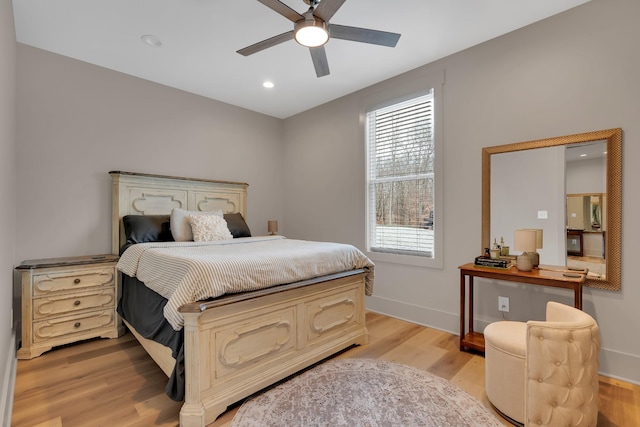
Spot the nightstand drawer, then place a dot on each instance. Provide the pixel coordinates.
(72, 280)
(56, 305)
(71, 325)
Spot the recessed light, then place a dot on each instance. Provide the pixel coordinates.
(268, 84)
(583, 155)
(151, 40)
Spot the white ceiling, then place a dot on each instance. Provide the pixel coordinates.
(586, 151)
(200, 39)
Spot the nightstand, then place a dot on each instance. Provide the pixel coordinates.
(65, 300)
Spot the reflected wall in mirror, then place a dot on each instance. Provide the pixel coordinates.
(542, 184)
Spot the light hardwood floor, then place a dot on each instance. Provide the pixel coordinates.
(114, 383)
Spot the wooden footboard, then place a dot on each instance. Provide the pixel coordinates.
(237, 349)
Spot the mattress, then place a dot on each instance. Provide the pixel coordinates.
(185, 272)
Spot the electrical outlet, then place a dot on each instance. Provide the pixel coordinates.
(503, 304)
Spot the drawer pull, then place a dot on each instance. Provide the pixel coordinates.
(76, 325)
(76, 281)
(76, 302)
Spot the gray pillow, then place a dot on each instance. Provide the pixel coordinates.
(147, 228)
(237, 225)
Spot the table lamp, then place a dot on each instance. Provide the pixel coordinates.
(525, 241)
(272, 227)
(535, 255)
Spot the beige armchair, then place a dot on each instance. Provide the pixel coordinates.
(545, 373)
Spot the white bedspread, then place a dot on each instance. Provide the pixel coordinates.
(185, 272)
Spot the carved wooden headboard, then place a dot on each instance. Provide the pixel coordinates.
(146, 194)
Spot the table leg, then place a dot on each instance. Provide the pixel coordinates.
(578, 297)
(462, 307)
(470, 304)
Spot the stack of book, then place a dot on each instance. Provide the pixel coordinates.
(493, 262)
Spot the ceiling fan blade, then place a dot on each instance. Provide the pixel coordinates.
(363, 35)
(264, 44)
(282, 9)
(327, 8)
(319, 57)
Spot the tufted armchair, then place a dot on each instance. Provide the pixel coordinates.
(545, 373)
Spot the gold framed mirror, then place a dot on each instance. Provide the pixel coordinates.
(612, 210)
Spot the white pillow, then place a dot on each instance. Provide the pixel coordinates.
(180, 227)
(207, 228)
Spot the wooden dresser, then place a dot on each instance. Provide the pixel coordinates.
(65, 300)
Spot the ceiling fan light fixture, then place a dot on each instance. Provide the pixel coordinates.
(311, 32)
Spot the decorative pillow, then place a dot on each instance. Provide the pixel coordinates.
(207, 228)
(180, 227)
(147, 228)
(236, 224)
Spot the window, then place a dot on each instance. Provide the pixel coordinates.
(401, 167)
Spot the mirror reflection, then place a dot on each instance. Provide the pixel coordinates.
(586, 173)
(570, 187)
(527, 191)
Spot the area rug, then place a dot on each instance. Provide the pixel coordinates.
(364, 392)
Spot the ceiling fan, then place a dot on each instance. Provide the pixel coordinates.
(312, 29)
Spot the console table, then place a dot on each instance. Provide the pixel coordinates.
(544, 275)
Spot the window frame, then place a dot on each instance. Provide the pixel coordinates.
(394, 95)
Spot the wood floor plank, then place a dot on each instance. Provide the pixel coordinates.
(412, 352)
(448, 367)
(114, 383)
(470, 377)
(56, 422)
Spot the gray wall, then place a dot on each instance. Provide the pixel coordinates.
(572, 73)
(77, 121)
(7, 194)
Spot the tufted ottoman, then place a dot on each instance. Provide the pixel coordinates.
(505, 356)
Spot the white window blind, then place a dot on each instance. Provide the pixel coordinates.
(401, 155)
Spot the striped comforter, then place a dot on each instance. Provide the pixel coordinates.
(184, 272)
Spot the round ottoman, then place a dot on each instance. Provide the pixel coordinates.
(505, 351)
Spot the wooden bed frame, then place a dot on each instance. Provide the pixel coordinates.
(238, 345)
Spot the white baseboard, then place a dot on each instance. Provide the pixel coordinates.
(9, 383)
(435, 319)
(621, 366)
(614, 364)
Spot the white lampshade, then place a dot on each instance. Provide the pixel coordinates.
(525, 240)
(538, 237)
(311, 33)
